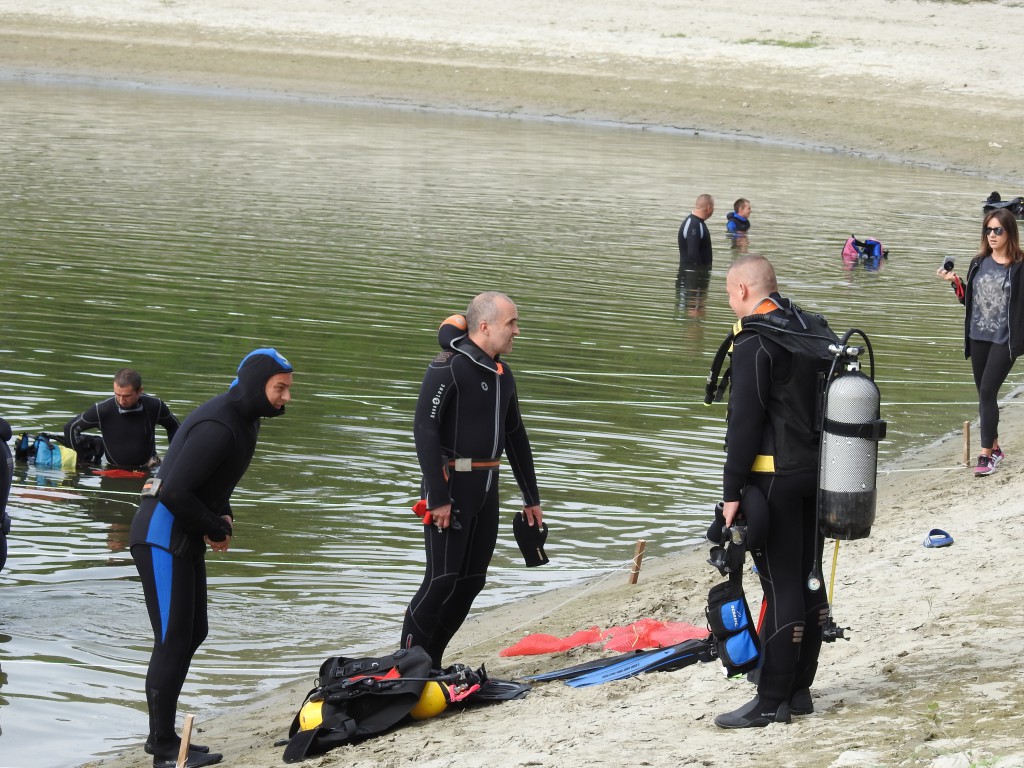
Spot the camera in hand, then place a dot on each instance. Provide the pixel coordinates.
(947, 265)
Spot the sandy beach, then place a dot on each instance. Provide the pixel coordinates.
(929, 675)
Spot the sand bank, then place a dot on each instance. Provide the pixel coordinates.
(934, 83)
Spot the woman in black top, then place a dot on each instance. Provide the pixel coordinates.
(993, 295)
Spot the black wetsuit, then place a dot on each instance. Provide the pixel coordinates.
(6, 478)
(765, 379)
(467, 409)
(694, 242)
(204, 463)
(129, 436)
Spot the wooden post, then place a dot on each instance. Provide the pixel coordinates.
(967, 443)
(638, 559)
(186, 740)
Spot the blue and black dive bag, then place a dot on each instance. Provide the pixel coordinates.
(735, 636)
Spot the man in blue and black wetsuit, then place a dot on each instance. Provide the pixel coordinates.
(185, 508)
(738, 219)
(127, 422)
(772, 442)
(466, 417)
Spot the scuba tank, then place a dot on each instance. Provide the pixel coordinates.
(850, 434)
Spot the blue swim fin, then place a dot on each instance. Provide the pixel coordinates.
(665, 659)
(576, 670)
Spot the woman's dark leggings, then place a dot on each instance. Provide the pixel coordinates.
(991, 364)
(795, 614)
(175, 590)
(457, 562)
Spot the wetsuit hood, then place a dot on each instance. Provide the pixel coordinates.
(452, 330)
(454, 334)
(249, 386)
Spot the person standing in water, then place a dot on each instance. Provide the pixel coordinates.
(127, 422)
(6, 480)
(184, 509)
(694, 237)
(993, 296)
(467, 415)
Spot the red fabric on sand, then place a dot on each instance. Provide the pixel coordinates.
(643, 633)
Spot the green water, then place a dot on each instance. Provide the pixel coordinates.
(175, 232)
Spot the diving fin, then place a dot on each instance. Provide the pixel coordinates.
(665, 659)
(576, 670)
(498, 690)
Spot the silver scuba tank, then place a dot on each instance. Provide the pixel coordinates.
(849, 456)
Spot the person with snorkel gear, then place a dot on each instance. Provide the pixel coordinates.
(772, 446)
(184, 509)
(467, 415)
(993, 296)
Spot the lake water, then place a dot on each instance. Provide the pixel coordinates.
(174, 232)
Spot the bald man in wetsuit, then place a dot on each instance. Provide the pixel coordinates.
(184, 509)
(772, 443)
(467, 415)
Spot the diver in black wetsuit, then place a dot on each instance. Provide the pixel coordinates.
(188, 509)
(771, 443)
(6, 478)
(127, 422)
(694, 237)
(466, 416)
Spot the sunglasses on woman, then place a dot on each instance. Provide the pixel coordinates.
(997, 231)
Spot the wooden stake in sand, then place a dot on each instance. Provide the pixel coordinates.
(186, 739)
(638, 559)
(967, 443)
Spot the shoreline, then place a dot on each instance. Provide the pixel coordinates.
(828, 97)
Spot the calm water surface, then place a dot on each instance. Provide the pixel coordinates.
(174, 233)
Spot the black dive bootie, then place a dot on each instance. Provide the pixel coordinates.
(755, 714)
(800, 702)
(191, 747)
(165, 755)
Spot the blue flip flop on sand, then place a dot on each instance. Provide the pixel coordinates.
(938, 538)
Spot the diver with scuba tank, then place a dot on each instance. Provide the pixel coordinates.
(773, 444)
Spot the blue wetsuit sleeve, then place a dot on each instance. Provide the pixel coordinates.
(520, 454)
(207, 444)
(748, 411)
(436, 394)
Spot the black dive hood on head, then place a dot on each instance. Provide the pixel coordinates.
(249, 386)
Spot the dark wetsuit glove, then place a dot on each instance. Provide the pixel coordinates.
(216, 527)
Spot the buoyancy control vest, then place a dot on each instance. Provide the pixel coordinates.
(356, 698)
(842, 414)
(795, 413)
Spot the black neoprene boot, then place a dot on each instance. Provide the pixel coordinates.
(800, 702)
(755, 714)
(165, 757)
(191, 747)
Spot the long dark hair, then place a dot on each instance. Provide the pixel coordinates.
(1009, 223)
